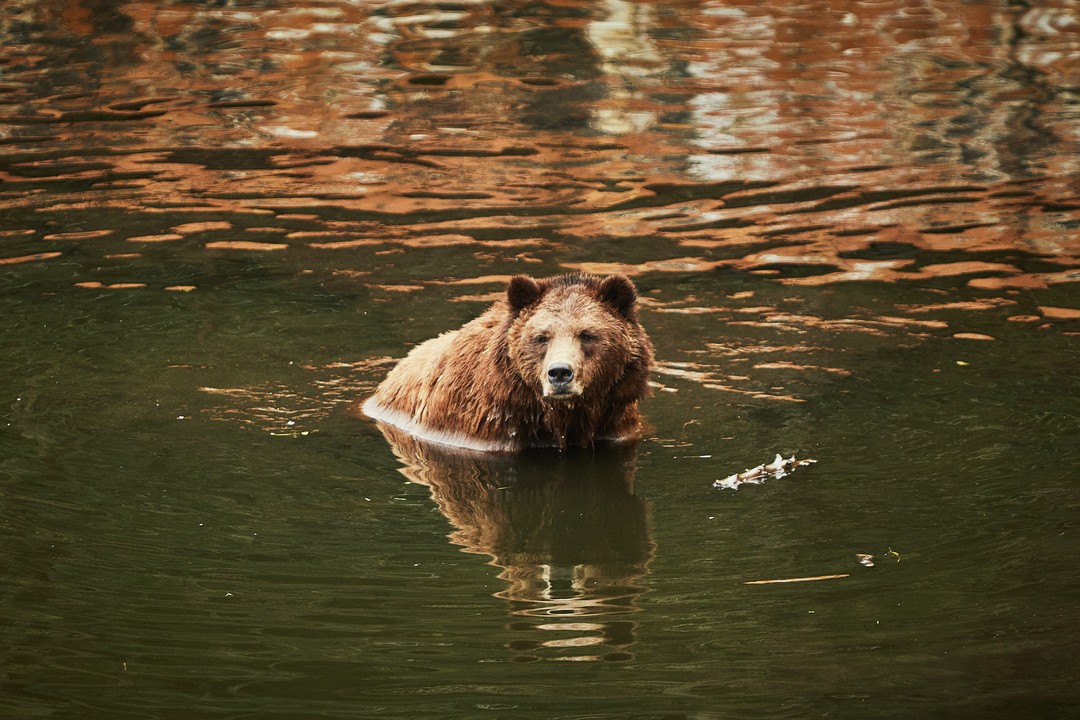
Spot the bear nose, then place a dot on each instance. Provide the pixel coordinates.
(560, 373)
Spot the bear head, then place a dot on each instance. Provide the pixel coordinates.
(574, 336)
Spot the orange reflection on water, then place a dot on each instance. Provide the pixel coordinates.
(406, 145)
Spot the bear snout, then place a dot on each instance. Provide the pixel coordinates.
(560, 380)
(560, 374)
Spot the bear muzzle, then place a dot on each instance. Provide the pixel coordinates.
(559, 382)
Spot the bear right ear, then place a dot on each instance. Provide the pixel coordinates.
(619, 292)
(522, 292)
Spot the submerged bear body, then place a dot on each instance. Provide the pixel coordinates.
(559, 362)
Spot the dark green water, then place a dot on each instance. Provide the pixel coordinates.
(195, 524)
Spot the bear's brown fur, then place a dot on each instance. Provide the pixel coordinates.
(558, 362)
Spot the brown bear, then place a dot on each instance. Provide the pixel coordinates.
(558, 362)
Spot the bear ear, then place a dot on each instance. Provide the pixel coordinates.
(522, 292)
(619, 292)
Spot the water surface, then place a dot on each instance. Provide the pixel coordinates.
(854, 229)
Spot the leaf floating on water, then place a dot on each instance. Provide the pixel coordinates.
(778, 468)
(865, 559)
(797, 579)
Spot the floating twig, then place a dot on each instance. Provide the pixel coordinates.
(797, 580)
(778, 468)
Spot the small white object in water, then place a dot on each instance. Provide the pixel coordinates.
(778, 468)
(777, 465)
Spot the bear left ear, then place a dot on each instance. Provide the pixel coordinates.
(522, 292)
(619, 292)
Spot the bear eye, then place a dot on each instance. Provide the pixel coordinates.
(541, 339)
(587, 337)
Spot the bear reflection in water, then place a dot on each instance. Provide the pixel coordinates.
(565, 528)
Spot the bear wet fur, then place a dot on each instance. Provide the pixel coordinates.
(558, 362)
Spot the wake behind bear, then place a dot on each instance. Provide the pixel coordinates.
(559, 362)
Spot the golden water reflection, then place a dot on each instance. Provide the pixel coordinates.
(812, 143)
